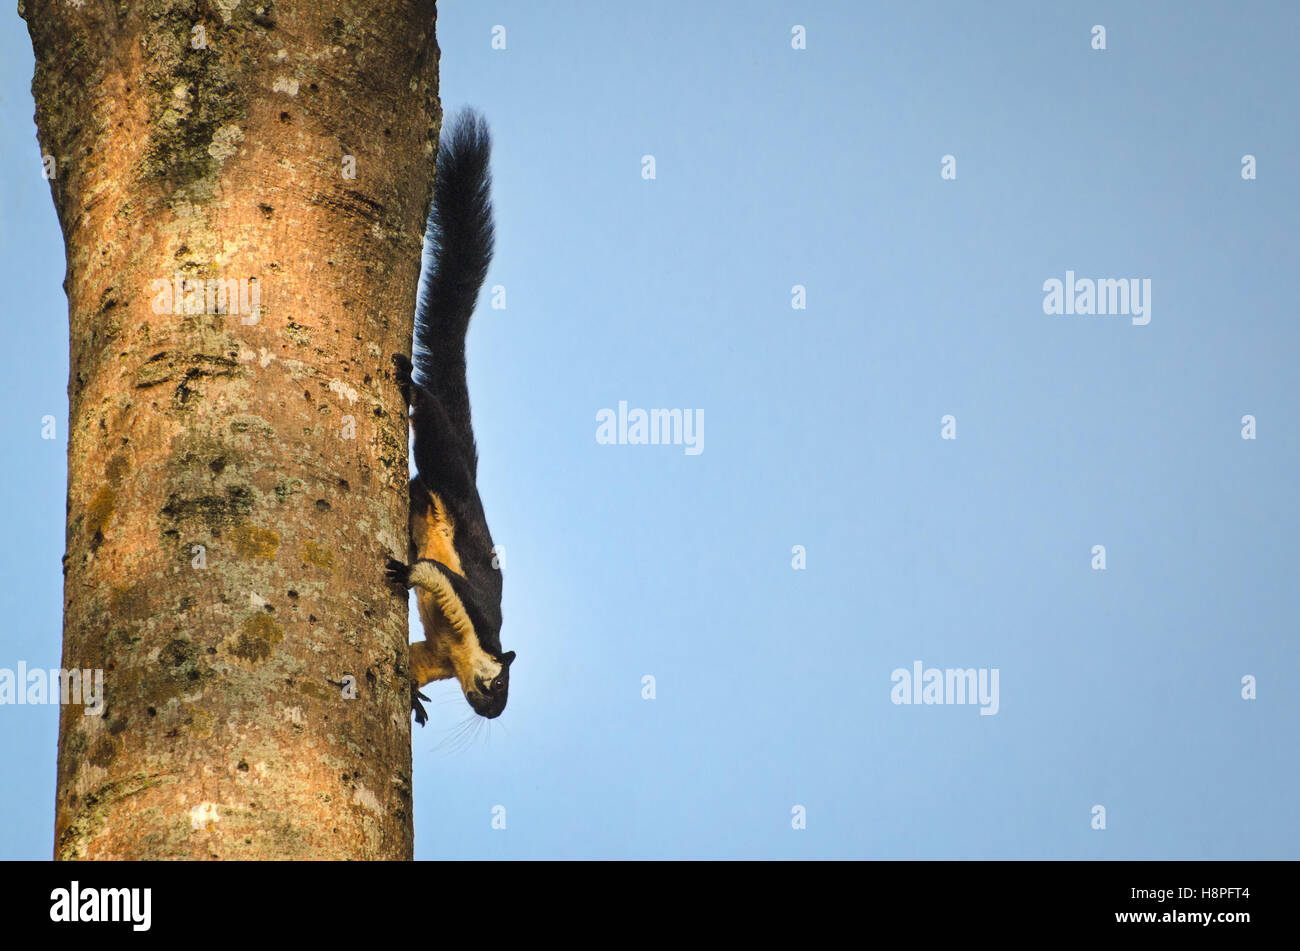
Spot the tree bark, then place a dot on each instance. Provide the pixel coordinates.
(236, 479)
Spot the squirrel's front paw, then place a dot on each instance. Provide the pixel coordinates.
(420, 716)
(402, 369)
(398, 573)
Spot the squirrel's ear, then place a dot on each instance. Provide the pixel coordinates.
(507, 658)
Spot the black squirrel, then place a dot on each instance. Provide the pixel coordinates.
(454, 570)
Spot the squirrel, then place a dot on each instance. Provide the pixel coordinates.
(454, 569)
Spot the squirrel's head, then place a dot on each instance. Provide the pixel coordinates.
(488, 687)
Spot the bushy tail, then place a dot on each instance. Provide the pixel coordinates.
(458, 238)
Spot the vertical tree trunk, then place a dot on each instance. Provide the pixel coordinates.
(237, 479)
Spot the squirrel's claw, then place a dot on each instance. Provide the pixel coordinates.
(421, 717)
(398, 573)
(401, 369)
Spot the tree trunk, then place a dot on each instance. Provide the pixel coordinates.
(237, 474)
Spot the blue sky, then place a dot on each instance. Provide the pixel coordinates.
(821, 167)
